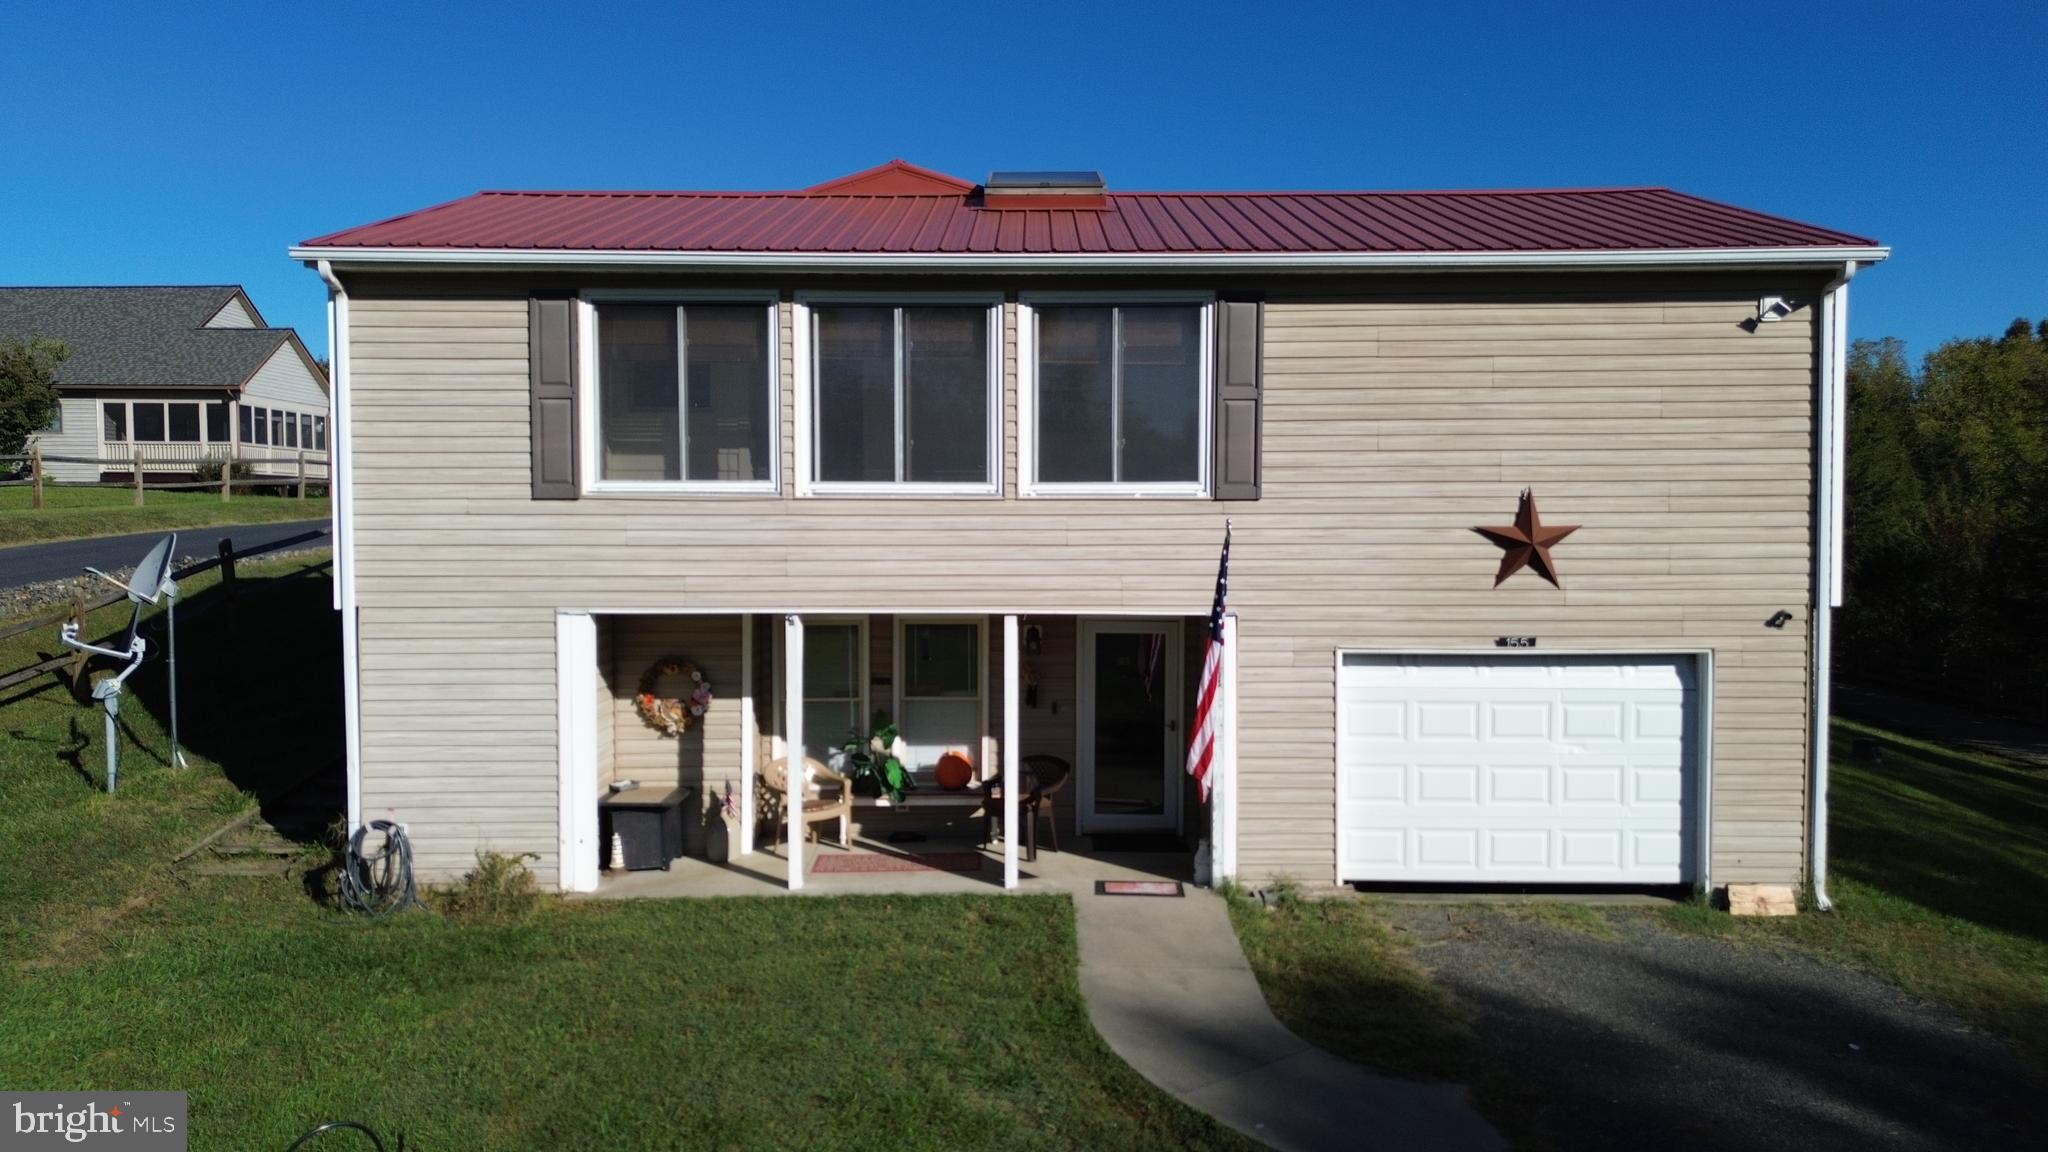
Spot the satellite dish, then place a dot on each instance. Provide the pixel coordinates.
(150, 582)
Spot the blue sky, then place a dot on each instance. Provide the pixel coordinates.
(156, 144)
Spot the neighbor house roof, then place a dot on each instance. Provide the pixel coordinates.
(143, 336)
(900, 210)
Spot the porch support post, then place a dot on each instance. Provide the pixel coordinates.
(576, 732)
(1013, 752)
(750, 735)
(1223, 795)
(793, 740)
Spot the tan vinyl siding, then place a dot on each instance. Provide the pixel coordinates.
(1395, 420)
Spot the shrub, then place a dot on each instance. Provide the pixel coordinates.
(499, 890)
(209, 470)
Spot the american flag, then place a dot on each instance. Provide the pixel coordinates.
(1202, 741)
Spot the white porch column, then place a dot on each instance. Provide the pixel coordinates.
(750, 735)
(576, 727)
(793, 740)
(1223, 794)
(1013, 753)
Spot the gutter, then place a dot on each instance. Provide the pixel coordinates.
(1831, 456)
(341, 481)
(1620, 258)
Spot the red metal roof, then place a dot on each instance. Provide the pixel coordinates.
(899, 208)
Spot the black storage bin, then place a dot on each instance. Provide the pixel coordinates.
(649, 822)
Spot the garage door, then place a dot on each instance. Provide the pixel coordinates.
(1521, 769)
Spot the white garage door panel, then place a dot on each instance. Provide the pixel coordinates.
(1516, 769)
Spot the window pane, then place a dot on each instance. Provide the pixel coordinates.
(276, 427)
(856, 409)
(217, 421)
(945, 385)
(320, 433)
(639, 430)
(832, 661)
(933, 727)
(1074, 394)
(941, 660)
(305, 430)
(1162, 394)
(262, 426)
(729, 427)
(828, 725)
(247, 414)
(149, 422)
(114, 421)
(291, 430)
(185, 423)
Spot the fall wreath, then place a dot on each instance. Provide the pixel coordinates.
(672, 714)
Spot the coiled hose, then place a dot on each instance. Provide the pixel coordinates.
(381, 883)
(345, 1126)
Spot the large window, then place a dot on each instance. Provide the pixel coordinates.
(903, 395)
(835, 685)
(685, 393)
(184, 423)
(113, 422)
(1119, 398)
(149, 423)
(217, 421)
(940, 671)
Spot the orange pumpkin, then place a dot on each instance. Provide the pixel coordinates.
(954, 771)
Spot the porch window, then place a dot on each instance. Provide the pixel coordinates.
(217, 421)
(291, 430)
(262, 427)
(320, 433)
(305, 430)
(184, 423)
(1120, 398)
(113, 422)
(903, 395)
(835, 684)
(941, 698)
(149, 423)
(277, 427)
(685, 393)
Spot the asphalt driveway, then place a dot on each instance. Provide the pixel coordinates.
(1652, 1038)
(61, 559)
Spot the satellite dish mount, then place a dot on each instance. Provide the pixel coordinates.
(150, 583)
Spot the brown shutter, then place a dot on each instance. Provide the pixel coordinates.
(1237, 399)
(551, 352)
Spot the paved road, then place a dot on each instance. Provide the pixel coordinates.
(1655, 1039)
(33, 563)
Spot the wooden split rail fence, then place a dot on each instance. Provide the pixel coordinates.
(304, 468)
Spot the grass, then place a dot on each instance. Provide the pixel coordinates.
(74, 513)
(874, 1022)
(1939, 880)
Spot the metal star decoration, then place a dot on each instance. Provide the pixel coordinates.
(1527, 541)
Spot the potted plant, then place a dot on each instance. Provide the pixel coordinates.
(877, 766)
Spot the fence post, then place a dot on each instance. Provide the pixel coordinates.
(78, 617)
(35, 468)
(302, 473)
(227, 477)
(138, 477)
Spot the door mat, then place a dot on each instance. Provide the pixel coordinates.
(909, 862)
(1138, 888)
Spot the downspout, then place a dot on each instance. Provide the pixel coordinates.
(341, 480)
(1831, 454)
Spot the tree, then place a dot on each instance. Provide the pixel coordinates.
(28, 391)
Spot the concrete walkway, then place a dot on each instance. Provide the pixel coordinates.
(1171, 991)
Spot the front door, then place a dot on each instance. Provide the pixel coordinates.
(1130, 738)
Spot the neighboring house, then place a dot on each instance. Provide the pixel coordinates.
(177, 373)
(965, 453)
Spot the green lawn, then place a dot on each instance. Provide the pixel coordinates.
(885, 1023)
(73, 513)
